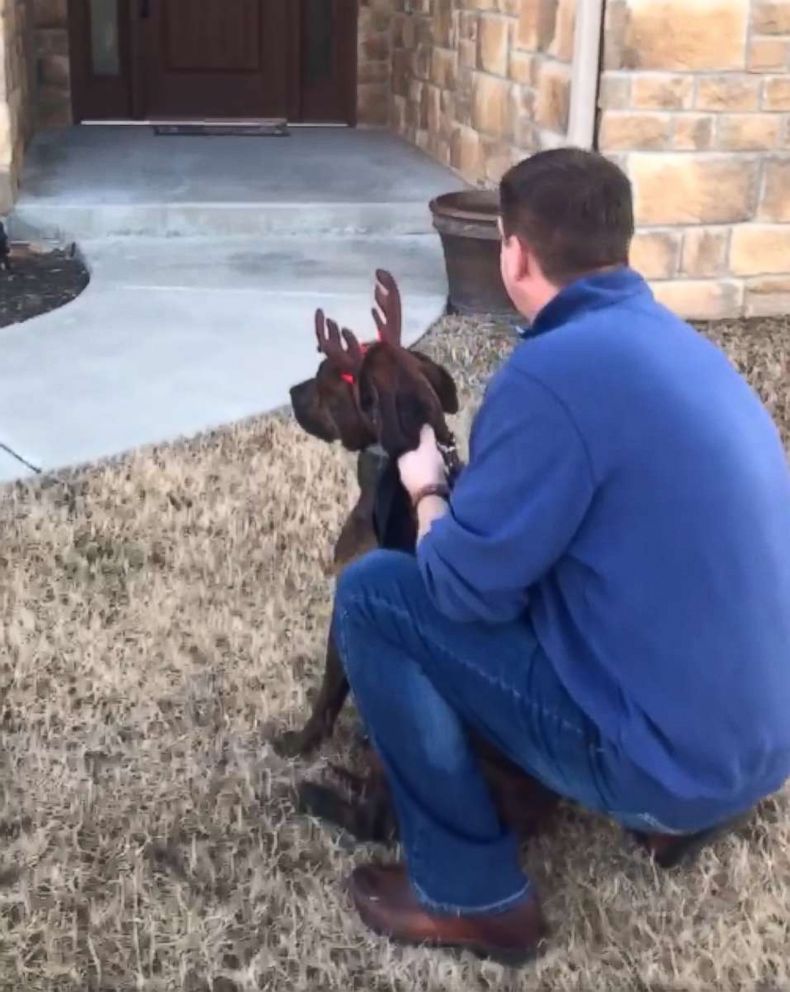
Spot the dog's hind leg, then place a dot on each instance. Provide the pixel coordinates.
(328, 704)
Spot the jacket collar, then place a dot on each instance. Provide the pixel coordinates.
(602, 289)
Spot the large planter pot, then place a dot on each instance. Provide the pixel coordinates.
(467, 223)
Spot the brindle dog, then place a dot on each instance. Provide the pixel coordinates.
(374, 399)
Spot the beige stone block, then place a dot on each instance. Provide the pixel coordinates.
(771, 17)
(623, 130)
(767, 296)
(655, 253)
(444, 68)
(674, 188)
(373, 72)
(53, 107)
(466, 153)
(491, 105)
(662, 91)
(705, 251)
(693, 132)
(523, 112)
(375, 48)
(767, 55)
(54, 70)
(442, 22)
(51, 13)
(760, 249)
(775, 200)
(52, 41)
(748, 132)
(615, 91)
(373, 104)
(398, 114)
(553, 97)
(494, 35)
(433, 98)
(776, 93)
(468, 25)
(497, 159)
(728, 93)
(678, 34)
(701, 299)
(6, 136)
(523, 67)
(7, 189)
(467, 53)
(561, 46)
(616, 17)
(536, 24)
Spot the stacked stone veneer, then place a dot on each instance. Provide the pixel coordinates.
(695, 104)
(16, 92)
(479, 84)
(53, 98)
(374, 61)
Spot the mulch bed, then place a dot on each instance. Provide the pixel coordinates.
(39, 281)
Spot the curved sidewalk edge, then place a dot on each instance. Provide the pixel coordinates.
(173, 338)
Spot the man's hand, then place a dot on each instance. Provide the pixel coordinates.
(423, 467)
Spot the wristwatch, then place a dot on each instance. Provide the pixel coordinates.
(440, 489)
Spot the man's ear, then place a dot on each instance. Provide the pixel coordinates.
(441, 382)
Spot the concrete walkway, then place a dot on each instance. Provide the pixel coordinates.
(199, 310)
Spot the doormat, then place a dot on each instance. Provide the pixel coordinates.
(260, 129)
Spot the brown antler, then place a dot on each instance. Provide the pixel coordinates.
(346, 357)
(389, 322)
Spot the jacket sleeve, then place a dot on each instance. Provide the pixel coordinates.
(515, 508)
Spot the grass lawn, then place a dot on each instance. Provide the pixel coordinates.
(158, 616)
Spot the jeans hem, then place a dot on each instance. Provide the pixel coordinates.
(490, 909)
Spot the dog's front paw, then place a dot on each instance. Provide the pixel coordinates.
(291, 744)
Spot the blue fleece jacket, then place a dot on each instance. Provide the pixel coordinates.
(629, 493)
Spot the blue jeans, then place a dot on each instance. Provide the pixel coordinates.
(420, 680)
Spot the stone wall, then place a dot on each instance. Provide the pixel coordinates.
(695, 104)
(375, 61)
(52, 63)
(479, 84)
(16, 93)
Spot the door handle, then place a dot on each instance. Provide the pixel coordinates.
(145, 9)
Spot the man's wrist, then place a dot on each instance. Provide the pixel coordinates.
(437, 489)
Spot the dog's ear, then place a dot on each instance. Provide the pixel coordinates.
(397, 415)
(441, 381)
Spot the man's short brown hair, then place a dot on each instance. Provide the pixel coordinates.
(572, 208)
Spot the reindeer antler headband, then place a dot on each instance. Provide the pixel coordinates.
(341, 347)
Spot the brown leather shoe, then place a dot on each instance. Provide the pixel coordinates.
(387, 903)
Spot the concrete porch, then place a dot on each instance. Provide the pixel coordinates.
(88, 182)
(208, 257)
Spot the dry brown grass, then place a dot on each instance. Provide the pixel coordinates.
(159, 615)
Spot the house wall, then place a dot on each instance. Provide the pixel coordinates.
(479, 84)
(695, 104)
(16, 92)
(51, 63)
(374, 61)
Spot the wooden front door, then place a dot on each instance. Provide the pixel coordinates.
(214, 59)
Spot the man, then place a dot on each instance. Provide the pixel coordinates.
(605, 596)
